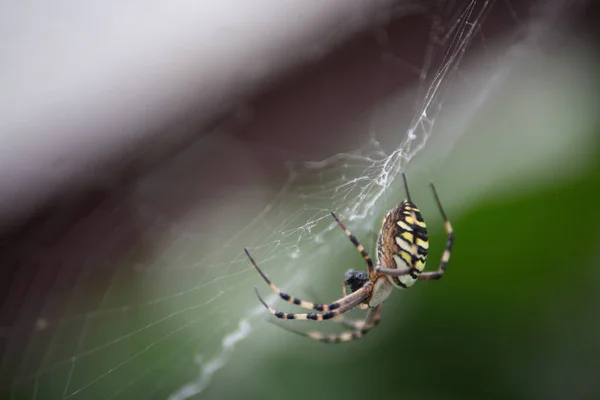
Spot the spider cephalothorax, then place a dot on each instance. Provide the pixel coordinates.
(402, 248)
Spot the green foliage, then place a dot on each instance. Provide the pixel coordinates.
(514, 317)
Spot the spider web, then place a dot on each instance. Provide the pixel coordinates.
(170, 313)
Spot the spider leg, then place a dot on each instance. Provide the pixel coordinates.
(291, 299)
(360, 329)
(359, 247)
(449, 242)
(361, 306)
(340, 320)
(352, 324)
(349, 323)
(345, 304)
(394, 271)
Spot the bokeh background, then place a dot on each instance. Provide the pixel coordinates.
(126, 279)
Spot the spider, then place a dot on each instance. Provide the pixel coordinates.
(402, 248)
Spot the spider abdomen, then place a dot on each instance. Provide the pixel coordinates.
(403, 228)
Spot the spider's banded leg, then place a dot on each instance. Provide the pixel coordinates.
(393, 271)
(340, 320)
(360, 329)
(352, 324)
(349, 323)
(290, 299)
(347, 303)
(361, 306)
(359, 247)
(449, 242)
(406, 187)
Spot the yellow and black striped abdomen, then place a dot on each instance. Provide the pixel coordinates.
(403, 242)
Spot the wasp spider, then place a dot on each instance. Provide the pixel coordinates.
(402, 248)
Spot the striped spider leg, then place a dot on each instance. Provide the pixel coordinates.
(327, 311)
(358, 328)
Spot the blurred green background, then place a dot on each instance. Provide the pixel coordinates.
(516, 315)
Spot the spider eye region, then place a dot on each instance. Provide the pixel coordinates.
(355, 280)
